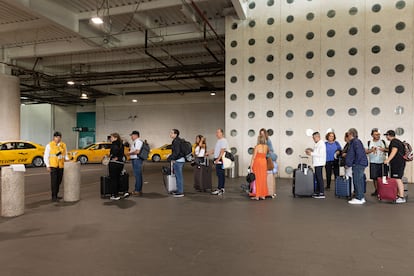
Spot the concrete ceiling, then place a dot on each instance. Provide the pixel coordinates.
(143, 46)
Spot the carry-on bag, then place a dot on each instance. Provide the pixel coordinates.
(169, 179)
(271, 186)
(124, 182)
(343, 186)
(105, 186)
(387, 187)
(303, 180)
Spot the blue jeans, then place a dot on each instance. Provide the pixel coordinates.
(319, 188)
(220, 176)
(178, 170)
(137, 167)
(358, 179)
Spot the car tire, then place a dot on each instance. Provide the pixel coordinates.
(83, 159)
(37, 161)
(156, 158)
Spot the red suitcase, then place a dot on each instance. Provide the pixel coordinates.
(388, 189)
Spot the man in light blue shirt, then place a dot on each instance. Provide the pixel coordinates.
(376, 150)
(219, 150)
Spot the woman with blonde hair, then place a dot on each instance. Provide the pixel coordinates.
(258, 165)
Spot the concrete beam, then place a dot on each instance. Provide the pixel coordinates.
(240, 8)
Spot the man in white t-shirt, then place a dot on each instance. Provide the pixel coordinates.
(219, 149)
(318, 161)
(136, 162)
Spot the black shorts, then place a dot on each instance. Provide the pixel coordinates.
(376, 170)
(397, 171)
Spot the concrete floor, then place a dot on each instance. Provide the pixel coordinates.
(201, 234)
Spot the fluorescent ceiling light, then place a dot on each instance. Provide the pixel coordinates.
(70, 82)
(97, 20)
(84, 96)
(134, 100)
(212, 93)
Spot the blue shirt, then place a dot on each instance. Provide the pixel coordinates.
(331, 148)
(356, 154)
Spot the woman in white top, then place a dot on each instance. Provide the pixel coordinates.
(199, 160)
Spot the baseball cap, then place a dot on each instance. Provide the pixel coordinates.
(57, 133)
(136, 132)
(390, 133)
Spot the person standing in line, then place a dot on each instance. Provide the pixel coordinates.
(116, 165)
(178, 161)
(397, 162)
(136, 162)
(54, 158)
(199, 154)
(219, 150)
(357, 159)
(333, 148)
(376, 150)
(259, 167)
(318, 161)
(271, 152)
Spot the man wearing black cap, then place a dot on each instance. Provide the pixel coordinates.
(136, 162)
(54, 158)
(396, 161)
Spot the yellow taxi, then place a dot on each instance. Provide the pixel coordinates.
(21, 152)
(161, 153)
(94, 153)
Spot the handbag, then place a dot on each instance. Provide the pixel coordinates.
(250, 177)
(105, 160)
(270, 165)
(227, 163)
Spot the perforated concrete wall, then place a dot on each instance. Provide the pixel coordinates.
(296, 66)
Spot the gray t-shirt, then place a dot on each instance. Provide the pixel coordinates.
(221, 144)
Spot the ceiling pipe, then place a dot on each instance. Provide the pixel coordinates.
(206, 45)
(150, 55)
(201, 14)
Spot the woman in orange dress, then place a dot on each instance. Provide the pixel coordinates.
(259, 167)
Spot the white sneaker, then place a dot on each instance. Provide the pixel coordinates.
(115, 198)
(400, 200)
(215, 192)
(357, 201)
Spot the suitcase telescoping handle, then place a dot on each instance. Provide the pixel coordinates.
(301, 163)
(384, 177)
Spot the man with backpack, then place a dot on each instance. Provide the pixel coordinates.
(178, 160)
(376, 151)
(396, 160)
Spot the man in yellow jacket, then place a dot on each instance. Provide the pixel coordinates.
(54, 158)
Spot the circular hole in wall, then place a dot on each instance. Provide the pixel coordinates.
(233, 150)
(270, 21)
(289, 113)
(399, 89)
(352, 91)
(309, 113)
(252, 5)
(399, 68)
(289, 94)
(331, 33)
(289, 75)
(330, 112)
(330, 73)
(270, 77)
(269, 114)
(234, 26)
(290, 18)
(331, 13)
(270, 58)
(330, 92)
(251, 78)
(353, 31)
(289, 151)
(251, 132)
(375, 90)
(309, 93)
(270, 2)
(330, 53)
(400, 47)
(376, 29)
(233, 44)
(250, 150)
(233, 115)
(309, 74)
(310, 36)
(353, 51)
(270, 132)
(375, 70)
(352, 71)
(252, 41)
(352, 112)
(289, 132)
(290, 37)
(399, 110)
(233, 61)
(353, 11)
(375, 49)
(233, 97)
(270, 95)
(233, 79)
(252, 60)
(252, 23)
(400, 26)
(399, 131)
(251, 114)
(289, 170)
(289, 56)
(400, 5)
(309, 55)
(251, 96)
(375, 111)
(376, 8)
(233, 133)
(270, 39)
(310, 16)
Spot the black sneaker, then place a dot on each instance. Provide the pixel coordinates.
(374, 193)
(178, 194)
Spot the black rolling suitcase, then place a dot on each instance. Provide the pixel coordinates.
(205, 175)
(124, 182)
(105, 186)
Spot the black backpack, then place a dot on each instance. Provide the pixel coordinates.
(186, 150)
(144, 151)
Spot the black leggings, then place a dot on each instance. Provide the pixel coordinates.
(329, 167)
(115, 170)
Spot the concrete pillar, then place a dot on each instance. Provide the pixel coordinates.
(12, 192)
(71, 182)
(9, 107)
